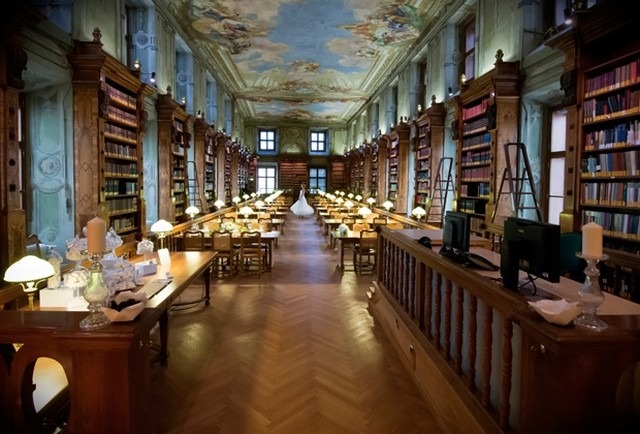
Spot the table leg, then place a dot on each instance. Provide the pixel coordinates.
(207, 286)
(163, 356)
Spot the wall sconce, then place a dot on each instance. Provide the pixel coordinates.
(450, 91)
(463, 79)
(136, 64)
(199, 114)
(183, 101)
(152, 79)
(28, 272)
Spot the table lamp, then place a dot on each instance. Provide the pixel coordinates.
(259, 204)
(219, 204)
(364, 212)
(161, 227)
(418, 212)
(246, 196)
(350, 195)
(387, 205)
(371, 201)
(192, 211)
(28, 272)
(236, 200)
(246, 211)
(358, 197)
(348, 205)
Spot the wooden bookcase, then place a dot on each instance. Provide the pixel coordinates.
(292, 173)
(337, 174)
(205, 158)
(488, 118)
(428, 148)
(108, 129)
(398, 167)
(173, 142)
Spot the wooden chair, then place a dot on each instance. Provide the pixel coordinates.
(252, 252)
(226, 260)
(193, 241)
(228, 219)
(266, 224)
(349, 221)
(367, 247)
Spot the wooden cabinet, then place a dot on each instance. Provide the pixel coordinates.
(428, 148)
(398, 167)
(108, 127)
(205, 159)
(488, 118)
(173, 142)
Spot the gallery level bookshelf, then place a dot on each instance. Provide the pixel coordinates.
(205, 160)
(398, 167)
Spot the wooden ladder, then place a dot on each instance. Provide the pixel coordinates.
(193, 187)
(441, 188)
(520, 181)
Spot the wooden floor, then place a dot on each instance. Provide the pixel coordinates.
(295, 351)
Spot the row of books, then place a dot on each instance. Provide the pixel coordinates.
(475, 110)
(476, 158)
(476, 174)
(624, 75)
(619, 136)
(476, 125)
(612, 164)
(115, 132)
(119, 115)
(116, 187)
(124, 224)
(113, 149)
(471, 206)
(480, 190)
(423, 165)
(424, 153)
(625, 194)
(128, 204)
(476, 141)
(621, 103)
(120, 169)
(422, 186)
(615, 224)
(122, 98)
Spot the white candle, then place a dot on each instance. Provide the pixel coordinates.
(96, 235)
(592, 240)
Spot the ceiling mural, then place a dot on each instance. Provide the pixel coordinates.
(301, 59)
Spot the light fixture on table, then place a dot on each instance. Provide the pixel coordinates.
(387, 205)
(364, 212)
(246, 196)
(236, 200)
(418, 212)
(192, 211)
(259, 205)
(161, 228)
(246, 211)
(348, 205)
(29, 271)
(358, 197)
(350, 195)
(219, 204)
(371, 201)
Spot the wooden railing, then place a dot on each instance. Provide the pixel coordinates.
(489, 363)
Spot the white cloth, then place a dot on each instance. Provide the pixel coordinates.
(301, 207)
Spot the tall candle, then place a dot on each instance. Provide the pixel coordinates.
(592, 240)
(96, 235)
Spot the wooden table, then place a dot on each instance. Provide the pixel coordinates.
(270, 239)
(107, 369)
(342, 241)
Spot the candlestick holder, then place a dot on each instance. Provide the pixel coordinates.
(590, 295)
(96, 294)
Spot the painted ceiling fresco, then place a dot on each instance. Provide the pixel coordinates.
(313, 60)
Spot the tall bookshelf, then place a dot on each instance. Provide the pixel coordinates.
(292, 173)
(398, 167)
(428, 148)
(488, 116)
(108, 130)
(173, 142)
(205, 158)
(610, 148)
(337, 174)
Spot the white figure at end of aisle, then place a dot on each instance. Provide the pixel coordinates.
(301, 208)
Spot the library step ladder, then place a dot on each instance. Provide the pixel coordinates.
(519, 179)
(440, 192)
(193, 189)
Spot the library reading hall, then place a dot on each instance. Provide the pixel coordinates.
(319, 216)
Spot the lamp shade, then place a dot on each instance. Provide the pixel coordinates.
(358, 197)
(245, 211)
(371, 201)
(364, 211)
(348, 204)
(259, 204)
(246, 196)
(218, 203)
(236, 199)
(192, 211)
(387, 205)
(29, 269)
(161, 227)
(418, 211)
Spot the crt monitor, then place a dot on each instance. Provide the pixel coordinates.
(455, 232)
(530, 246)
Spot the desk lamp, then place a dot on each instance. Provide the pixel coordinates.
(348, 205)
(192, 211)
(358, 197)
(28, 272)
(259, 204)
(339, 200)
(387, 205)
(246, 196)
(236, 200)
(219, 204)
(246, 211)
(364, 212)
(350, 195)
(371, 201)
(418, 212)
(161, 227)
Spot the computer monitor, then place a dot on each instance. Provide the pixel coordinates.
(530, 246)
(455, 232)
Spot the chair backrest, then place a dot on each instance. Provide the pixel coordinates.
(349, 221)
(360, 226)
(266, 224)
(228, 219)
(250, 242)
(368, 240)
(379, 220)
(193, 241)
(221, 241)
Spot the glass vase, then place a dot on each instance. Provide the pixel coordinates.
(96, 294)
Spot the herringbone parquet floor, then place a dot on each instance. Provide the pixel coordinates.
(294, 351)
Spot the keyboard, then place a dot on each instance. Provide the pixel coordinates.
(153, 287)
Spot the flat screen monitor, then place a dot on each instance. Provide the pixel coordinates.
(530, 246)
(455, 232)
